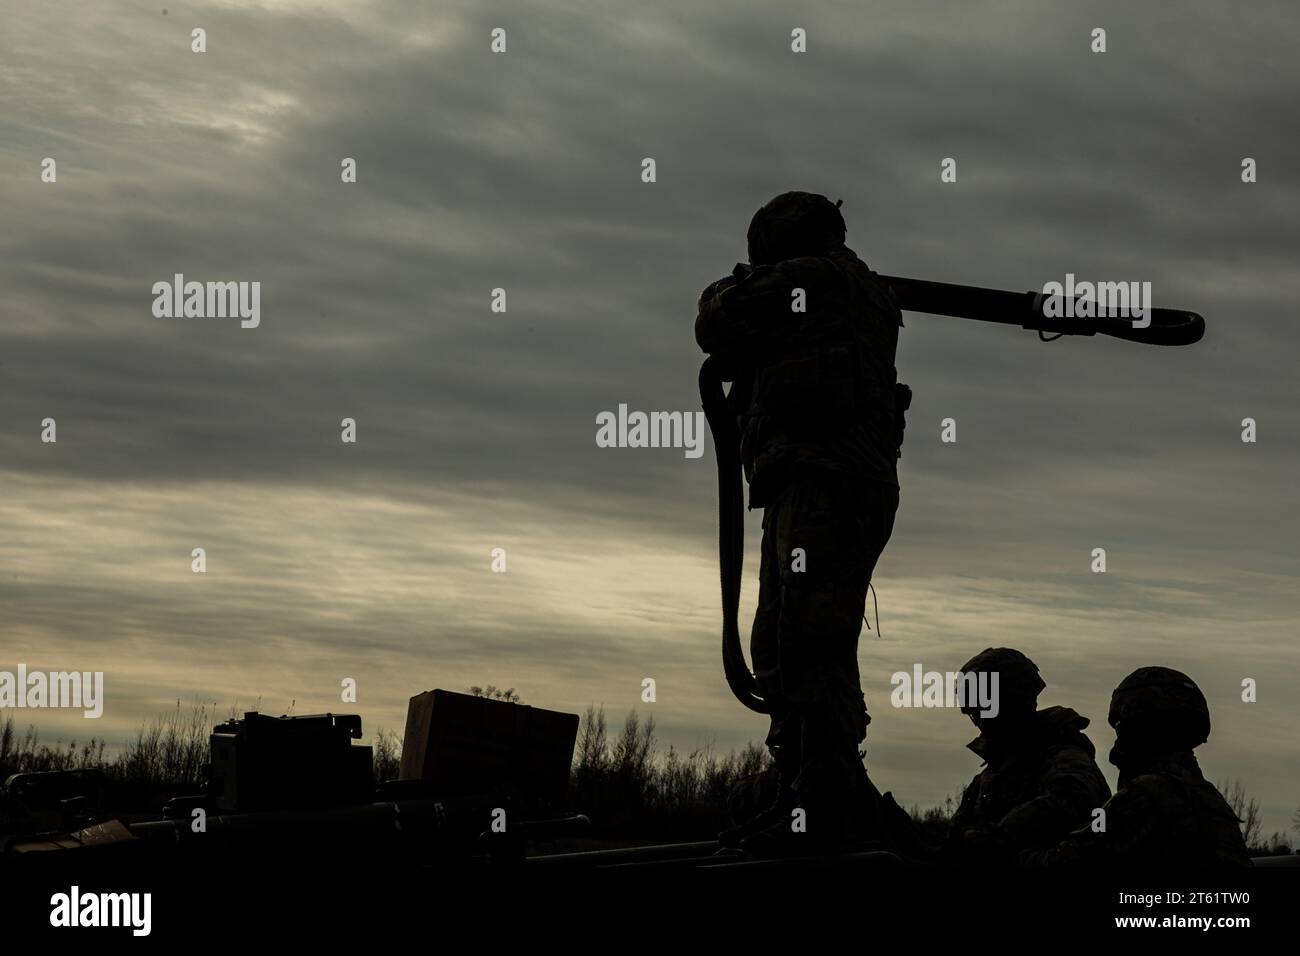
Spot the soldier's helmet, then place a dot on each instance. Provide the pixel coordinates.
(1018, 682)
(1161, 708)
(794, 224)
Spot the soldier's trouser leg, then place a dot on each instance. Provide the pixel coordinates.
(784, 737)
(821, 542)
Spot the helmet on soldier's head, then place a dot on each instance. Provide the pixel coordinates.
(794, 224)
(1018, 680)
(1161, 707)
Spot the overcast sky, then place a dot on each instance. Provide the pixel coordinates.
(476, 430)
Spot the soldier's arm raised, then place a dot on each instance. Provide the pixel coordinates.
(744, 318)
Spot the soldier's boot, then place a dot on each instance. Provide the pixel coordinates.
(787, 770)
(840, 812)
(841, 807)
(901, 835)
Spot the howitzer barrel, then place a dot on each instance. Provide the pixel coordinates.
(1167, 326)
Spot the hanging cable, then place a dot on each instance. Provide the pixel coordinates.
(872, 589)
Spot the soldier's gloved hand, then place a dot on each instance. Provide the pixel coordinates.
(716, 287)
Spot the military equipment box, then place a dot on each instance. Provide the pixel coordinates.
(463, 745)
(284, 763)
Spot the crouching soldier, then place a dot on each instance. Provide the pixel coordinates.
(1164, 813)
(1040, 779)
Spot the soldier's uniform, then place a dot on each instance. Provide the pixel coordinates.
(1164, 814)
(1040, 780)
(815, 393)
(1031, 796)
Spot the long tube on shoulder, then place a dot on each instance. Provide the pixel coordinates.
(1026, 309)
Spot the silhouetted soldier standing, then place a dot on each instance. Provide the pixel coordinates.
(809, 334)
